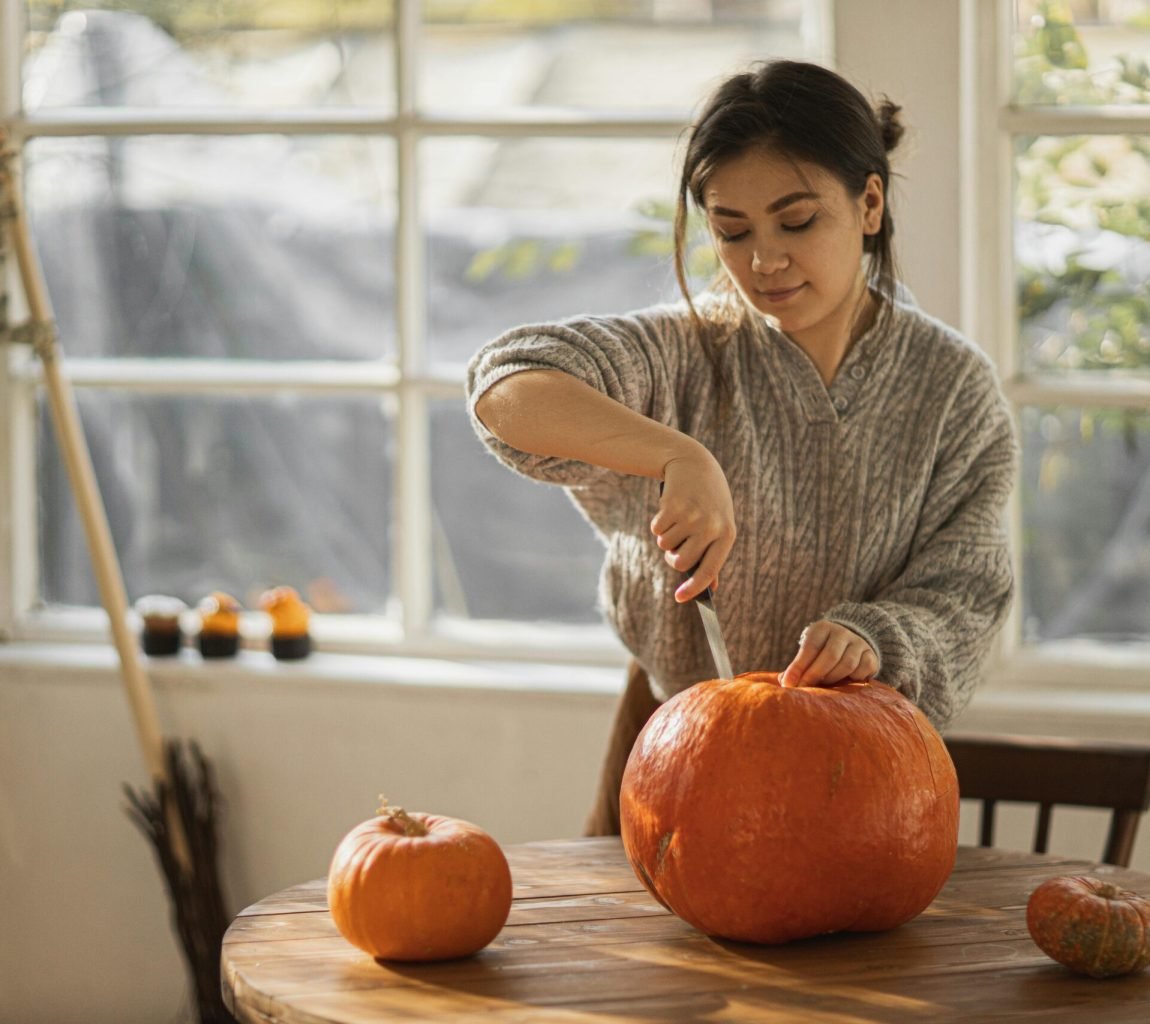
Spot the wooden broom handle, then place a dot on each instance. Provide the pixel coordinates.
(109, 578)
(78, 462)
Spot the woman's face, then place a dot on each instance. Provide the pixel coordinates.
(791, 239)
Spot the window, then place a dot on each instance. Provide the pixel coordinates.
(273, 235)
(1070, 165)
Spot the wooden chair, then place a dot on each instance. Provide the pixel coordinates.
(1049, 771)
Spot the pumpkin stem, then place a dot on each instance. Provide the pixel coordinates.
(1108, 890)
(400, 817)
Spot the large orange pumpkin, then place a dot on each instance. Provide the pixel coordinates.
(767, 814)
(1091, 926)
(418, 886)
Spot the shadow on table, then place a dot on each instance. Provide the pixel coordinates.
(678, 974)
(984, 967)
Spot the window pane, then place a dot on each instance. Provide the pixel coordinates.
(505, 547)
(1086, 540)
(1082, 237)
(229, 493)
(1081, 52)
(524, 230)
(633, 54)
(260, 247)
(196, 53)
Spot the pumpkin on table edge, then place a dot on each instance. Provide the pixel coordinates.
(765, 814)
(418, 886)
(1090, 926)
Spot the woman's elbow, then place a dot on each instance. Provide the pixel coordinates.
(487, 409)
(517, 401)
(494, 407)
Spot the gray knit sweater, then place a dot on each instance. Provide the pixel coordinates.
(877, 503)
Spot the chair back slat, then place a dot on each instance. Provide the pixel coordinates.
(1048, 771)
(986, 823)
(1120, 840)
(1042, 827)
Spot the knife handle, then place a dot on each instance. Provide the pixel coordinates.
(704, 594)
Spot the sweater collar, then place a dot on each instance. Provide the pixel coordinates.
(862, 363)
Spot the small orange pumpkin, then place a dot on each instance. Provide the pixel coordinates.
(418, 886)
(1090, 926)
(766, 814)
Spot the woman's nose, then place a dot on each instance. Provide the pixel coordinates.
(768, 260)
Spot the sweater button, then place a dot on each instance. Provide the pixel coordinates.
(841, 403)
(858, 372)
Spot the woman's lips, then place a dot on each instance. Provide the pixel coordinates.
(782, 294)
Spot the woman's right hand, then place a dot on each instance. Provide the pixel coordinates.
(695, 524)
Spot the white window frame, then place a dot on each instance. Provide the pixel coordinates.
(413, 633)
(990, 313)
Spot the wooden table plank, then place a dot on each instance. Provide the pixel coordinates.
(586, 943)
(561, 867)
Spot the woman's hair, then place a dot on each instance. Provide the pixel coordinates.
(802, 112)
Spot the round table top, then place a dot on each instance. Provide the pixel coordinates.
(585, 942)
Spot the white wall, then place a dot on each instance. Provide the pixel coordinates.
(908, 50)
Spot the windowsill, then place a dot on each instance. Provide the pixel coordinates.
(378, 638)
(319, 668)
(1020, 704)
(1099, 704)
(1050, 701)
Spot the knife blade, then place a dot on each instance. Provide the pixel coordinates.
(706, 605)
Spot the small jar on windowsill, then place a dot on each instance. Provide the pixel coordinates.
(219, 625)
(290, 638)
(160, 633)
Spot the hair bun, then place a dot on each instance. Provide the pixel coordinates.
(890, 124)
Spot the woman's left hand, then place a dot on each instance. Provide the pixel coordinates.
(828, 654)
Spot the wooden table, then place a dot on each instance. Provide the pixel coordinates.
(585, 943)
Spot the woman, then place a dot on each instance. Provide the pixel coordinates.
(836, 458)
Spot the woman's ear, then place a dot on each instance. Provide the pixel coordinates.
(872, 203)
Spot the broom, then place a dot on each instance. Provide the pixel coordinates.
(178, 813)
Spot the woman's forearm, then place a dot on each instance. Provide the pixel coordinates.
(548, 412)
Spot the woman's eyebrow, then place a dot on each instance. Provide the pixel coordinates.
(778, 204)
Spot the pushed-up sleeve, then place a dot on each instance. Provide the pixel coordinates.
(933, 625)
(625, 358)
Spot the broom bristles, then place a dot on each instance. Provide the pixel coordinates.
(196, 893)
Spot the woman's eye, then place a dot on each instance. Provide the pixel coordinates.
(803, 226)
(733, 238)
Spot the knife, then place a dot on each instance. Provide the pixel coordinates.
(705, 602)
